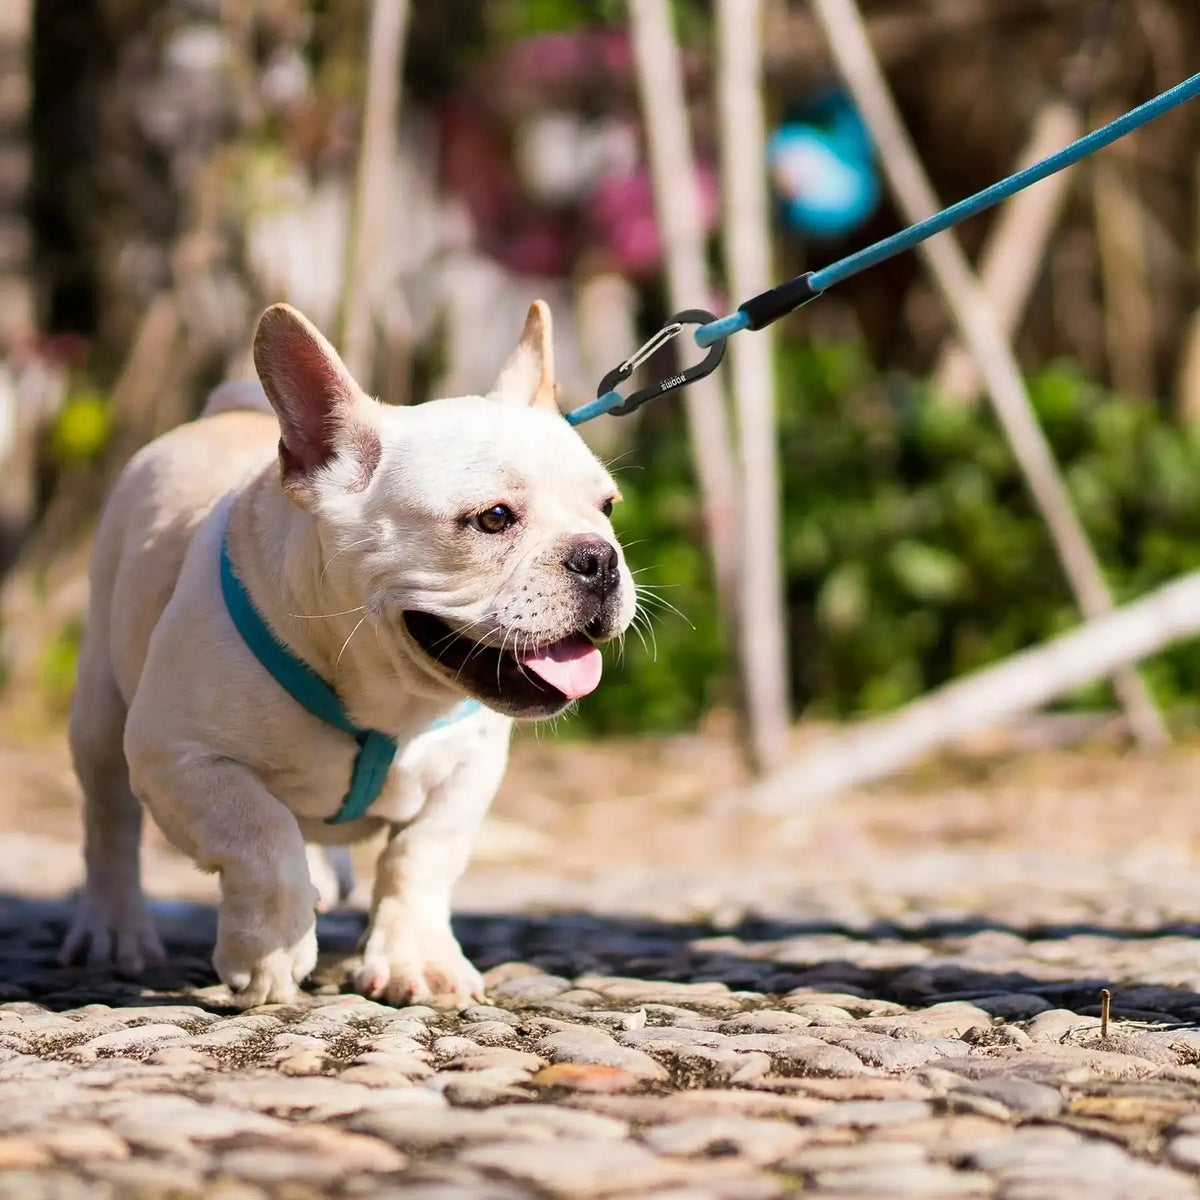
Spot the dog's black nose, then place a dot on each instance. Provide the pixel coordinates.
(596, 564)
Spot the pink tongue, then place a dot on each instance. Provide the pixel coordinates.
(573, 666)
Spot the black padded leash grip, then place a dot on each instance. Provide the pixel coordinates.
(779, 301)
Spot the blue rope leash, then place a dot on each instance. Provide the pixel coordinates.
(769, 306)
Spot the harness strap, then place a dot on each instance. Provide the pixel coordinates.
(376, 750)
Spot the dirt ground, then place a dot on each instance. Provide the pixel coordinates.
(602, 813)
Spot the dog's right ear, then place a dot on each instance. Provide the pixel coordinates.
(325, 420)
(527, 378)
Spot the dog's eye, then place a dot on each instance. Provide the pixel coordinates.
(607, 507)
(495, 519)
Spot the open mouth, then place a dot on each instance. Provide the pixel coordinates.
(535, 681)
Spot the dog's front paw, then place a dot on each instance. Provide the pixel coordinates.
(415, 963)
(255, 976)
(112, 930)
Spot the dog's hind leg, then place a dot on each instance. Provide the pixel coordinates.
(112, 923)
(331, 872)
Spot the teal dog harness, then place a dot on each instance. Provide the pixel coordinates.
(376, 750)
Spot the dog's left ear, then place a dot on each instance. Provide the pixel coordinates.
(325, 420)
(528, 376)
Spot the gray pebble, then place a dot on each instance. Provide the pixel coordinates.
(53, 1185)
(922, 1180)
(768, 1020)
(657, 1038)
(590, 1045)
(1057, 1024)
(1020, 1096)
(574, 1167)
(486, 1057)
(529, 988)
(822, 1014)
(758, 1139)
(478, 1013)
(871, 1114)
(642, 991)
(266, 1165)
(891, 1054)
(494, 1033)
(144, 1177)
(1013, 1006)
(1185, 1152)
(417, 1130)
(813, 1160)
(402, 1066)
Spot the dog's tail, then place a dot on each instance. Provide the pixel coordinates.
(240, 395)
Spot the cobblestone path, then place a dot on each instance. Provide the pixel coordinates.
(880, 1012)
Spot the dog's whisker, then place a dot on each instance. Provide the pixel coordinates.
(347, 641)
(360, 542)
(500, 656)
(478, 648)
(651, 600)
(455, 634)
(321, 616)
(642, 619)
(635, 625)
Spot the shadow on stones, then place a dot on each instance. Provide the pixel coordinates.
(758, 955)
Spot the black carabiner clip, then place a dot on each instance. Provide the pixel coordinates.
(706, 366)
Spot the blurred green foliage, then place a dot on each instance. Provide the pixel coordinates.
(913, 553)
(58, 664)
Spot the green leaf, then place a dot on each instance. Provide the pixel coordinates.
(844, 598)
(927, 572)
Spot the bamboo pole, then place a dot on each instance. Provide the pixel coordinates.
(1016, 247)
(748, 269)
(1187, 383)
(1024, 681)
(376, 162)
(16, 166)
(676, 203)
(1125, 281)
(977, 326)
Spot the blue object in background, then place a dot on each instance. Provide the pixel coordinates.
(823, 168)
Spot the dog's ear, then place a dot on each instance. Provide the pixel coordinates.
(324, 417)
(528, 376)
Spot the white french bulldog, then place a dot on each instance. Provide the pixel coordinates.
(411, 558)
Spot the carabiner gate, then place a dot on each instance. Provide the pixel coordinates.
(609, 400)
(706, 366)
